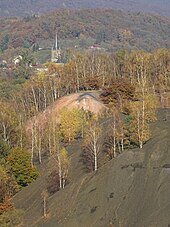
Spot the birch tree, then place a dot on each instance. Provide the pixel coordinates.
(92, 143)
(114, 141)
(65, 164)
(57, 152)
(140, 119)
(8, 123)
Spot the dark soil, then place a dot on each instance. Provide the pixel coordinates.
(132, 190)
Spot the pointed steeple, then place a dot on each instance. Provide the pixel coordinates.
(55, 52)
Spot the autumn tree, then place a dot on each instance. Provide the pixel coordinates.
(71, 123)
(57, 152)
(118, 93)
(146, 104)
(141, 117)
(8, 187)
(65, 164)
(11, 217)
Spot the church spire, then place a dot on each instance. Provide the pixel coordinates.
(55, 52)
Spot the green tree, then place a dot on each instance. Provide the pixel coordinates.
(4, 43)
(4, 149)
(19, 164)
(23, 70)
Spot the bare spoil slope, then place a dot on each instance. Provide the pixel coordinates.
(129, 191)
(28, 7)
(89, 101)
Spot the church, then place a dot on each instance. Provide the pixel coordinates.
(56, 52)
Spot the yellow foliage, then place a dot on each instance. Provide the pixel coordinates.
(71, 123)
(64, 157)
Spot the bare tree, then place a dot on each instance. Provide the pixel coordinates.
(92, 142)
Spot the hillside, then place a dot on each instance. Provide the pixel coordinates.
(131, 190)
(28, 7)
(80, 29)
(87, 170)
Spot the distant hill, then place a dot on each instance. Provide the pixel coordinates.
(28, 7)
(110, 29)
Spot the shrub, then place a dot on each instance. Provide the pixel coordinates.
(4, 149)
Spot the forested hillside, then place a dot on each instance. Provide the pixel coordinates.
(36, 132)
(29, 7)
(84, 28)
(84, 141)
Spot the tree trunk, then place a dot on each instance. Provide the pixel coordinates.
(59, 169)
(114, 136)
(95, 151)
(32, 147)
(39, 146)
(49, 143)
(122, 144)
(21, 132)
(35, 101)
(4, 132)
(45, 206)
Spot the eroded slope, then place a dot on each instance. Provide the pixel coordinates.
(129, 191)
